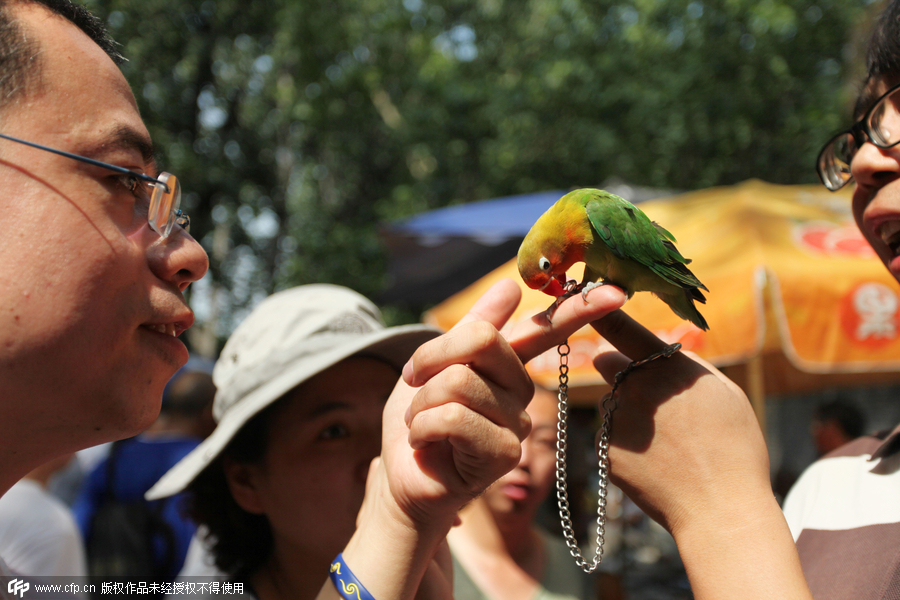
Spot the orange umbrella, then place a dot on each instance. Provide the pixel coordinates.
(788, 272)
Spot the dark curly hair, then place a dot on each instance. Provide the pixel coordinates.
(240, 541)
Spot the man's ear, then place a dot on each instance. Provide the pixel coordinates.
(243, 483)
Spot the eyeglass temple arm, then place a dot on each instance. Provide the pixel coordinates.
(90, 161)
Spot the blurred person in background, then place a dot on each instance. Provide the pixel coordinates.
(132, 467)
(38, 534)
(499, 552)
(836, 423)
(833, 424)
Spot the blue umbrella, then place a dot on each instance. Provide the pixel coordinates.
(435, 254)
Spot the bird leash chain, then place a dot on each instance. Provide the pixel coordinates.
(609, 404)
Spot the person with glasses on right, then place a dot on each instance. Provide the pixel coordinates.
(687, 449)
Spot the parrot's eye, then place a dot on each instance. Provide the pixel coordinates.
(544, 264)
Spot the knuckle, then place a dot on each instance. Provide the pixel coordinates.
(421, 400)
(458, 416)
(508, 451)
(524, 426)
(482, 336)
(527, 386)
(458, 380)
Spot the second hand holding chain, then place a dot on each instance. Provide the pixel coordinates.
(609, 404)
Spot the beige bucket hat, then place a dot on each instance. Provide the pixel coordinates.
(288, 338)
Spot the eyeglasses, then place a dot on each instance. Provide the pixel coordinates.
(880, 125)
(162, 202)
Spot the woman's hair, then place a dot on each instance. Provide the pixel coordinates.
(240, 541)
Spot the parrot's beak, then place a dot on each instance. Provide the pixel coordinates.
(554, 285)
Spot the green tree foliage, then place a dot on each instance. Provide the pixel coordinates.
(297, 126)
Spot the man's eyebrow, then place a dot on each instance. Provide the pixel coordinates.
(127, 138)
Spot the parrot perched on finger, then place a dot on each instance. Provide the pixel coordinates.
(619, 245)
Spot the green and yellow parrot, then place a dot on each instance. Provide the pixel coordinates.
(618, 244)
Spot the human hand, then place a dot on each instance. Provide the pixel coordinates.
(686, 447)
(452, 426)
(682, 430)
(467, 420)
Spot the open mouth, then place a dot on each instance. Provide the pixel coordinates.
(164, 328)
(516, 491)
(889, 232)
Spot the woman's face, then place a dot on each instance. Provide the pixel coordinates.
(322, 437)
(521, 491)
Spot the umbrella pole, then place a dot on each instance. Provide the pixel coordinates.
(756, 389)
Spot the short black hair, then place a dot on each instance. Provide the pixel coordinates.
(845, 413)
(883, 52)
(20, 64)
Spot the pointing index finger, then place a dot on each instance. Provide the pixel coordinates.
(534, 336)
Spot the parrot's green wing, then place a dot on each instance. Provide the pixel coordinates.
(629, 233)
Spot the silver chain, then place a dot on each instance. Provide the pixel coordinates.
(609, 404)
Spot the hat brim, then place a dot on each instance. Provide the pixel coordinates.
(394, 345)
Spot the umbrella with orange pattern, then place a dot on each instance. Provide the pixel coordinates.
(794, 290)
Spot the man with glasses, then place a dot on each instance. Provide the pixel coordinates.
(94, 261)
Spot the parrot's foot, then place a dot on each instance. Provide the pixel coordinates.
(571, 288)
(591, 285)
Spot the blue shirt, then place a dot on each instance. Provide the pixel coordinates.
(139, 463)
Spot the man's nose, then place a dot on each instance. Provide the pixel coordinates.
(179, 258)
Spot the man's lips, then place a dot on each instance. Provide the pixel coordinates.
(166, 328)
(172, 328)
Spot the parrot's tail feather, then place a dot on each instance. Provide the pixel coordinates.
(682, 304)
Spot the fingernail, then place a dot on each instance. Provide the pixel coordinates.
(409, 374)
(407, 416)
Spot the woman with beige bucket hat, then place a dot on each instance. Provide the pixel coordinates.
(308, 395)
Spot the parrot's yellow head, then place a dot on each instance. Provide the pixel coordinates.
(542, 262)
(555, 242)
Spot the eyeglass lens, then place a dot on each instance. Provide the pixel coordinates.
(164, 204)
(834, 161)
(882, 128)
(884, 121)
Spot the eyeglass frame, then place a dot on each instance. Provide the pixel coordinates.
(181, 218)
(861, 133)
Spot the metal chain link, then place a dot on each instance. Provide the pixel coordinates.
(609, 404)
